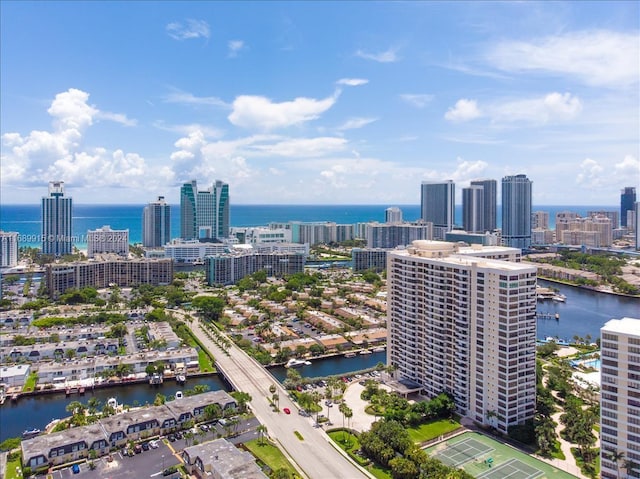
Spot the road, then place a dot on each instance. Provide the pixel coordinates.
(315, 457)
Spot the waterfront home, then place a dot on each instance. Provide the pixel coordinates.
(74, 444)
(15, 318)
(220, 459)
(64, 446)
(14, 375)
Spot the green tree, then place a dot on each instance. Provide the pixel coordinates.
(210, 307)
(262, 431)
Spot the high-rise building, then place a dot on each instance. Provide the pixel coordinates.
(57, 221)
(8, 249)
(620, 397)
(156, 224)
(516, 211)
(384, 235)
(462, 320)
(473, 209)
(490, 196)
(107, 241)
(204, 214)
(393, 215)
(614, 216)
(437, 204)
(627, 200)
(540, 220)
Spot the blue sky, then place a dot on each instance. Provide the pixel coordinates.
(318, 102)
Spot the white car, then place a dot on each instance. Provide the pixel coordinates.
(153, 444)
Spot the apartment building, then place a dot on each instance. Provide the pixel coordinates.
(232, 267)
(462, 320)
(107, 241)
(620, 398)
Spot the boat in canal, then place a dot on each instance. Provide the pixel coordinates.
(29, 433)
(297, 363)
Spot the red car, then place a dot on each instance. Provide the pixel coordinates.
(287, 410)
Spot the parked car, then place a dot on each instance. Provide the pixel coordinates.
(145, 446)
(153, 444)
(172, 437)
(137, 448)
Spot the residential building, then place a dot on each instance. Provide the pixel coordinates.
(541, 236)
(363, 259)
(102, 274)
(204, 213)
(484, 239)
(540, 220)
(612, 215)
(261, 235)
(14, 376)
(57, 221)
(473, 209)
(193, 251)
(231, 267)
(107, 241)
(490, 195)
(393, 215)
(8, 249)
(317, 232)
(437, 206)
(620, 397)
(595, 231)
(462, 320)
(627, 200)
(219, 459)
(391, 235)
(156, 224)
(516, 211)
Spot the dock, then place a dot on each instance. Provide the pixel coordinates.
(547, 315)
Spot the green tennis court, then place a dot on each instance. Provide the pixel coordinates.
(512, 469)
(464, 451)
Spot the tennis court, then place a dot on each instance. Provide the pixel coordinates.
(512, 469)
(464, 451)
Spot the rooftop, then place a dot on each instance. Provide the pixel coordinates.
(630, 326)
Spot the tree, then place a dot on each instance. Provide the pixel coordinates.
(615, 457)
(93, 404)
(210, 307)
(262, 431)
(402, 468)
(159, 400)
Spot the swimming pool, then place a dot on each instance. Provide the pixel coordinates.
(592, 363)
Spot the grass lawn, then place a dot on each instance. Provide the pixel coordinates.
(30, 383)
(350, 443)
(269, 454)
(12, 467)
(432, 429)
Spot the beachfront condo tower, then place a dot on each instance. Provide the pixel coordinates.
(437, 206)
(57, 214)
(489, 198)
(627, 202)
(620, 398)
(516, 211)
(204, 214)
(462, 320)
(156, 224)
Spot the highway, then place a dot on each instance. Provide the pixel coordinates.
(314, 456)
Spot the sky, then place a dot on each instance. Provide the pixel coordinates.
(318, 102)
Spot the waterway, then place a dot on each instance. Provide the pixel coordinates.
(38, 411)
(583, 313)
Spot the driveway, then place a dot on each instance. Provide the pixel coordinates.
(361, 421)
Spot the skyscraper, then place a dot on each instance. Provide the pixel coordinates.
(619, 396)
(438, 206)
(8, 249)
(627, 200)
(473, 209)
(490, 195)
(156, 224)
(393, 215)
(204, 213)
(516, 211)
(57, 214)
(462, 320)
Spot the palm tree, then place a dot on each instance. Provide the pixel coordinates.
(262, 430)
(615, 457)
(631, 467)
(276, 400)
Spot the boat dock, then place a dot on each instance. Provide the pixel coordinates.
(547, 315)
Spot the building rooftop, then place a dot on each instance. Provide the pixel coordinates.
(630, 326)
(225, 459)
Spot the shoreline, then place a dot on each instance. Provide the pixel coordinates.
(588, 288)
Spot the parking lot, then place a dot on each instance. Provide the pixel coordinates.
(152, 462)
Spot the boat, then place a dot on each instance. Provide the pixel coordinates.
(179, 395)
(29, 433)
(559, 298)
(365, 351)
(379, 349)
(14, 397)
(181, 379)
(112, 402)
(350, 354)
(155, 380)
(81, 390)
(296, 363)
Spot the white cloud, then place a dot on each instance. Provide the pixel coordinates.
(186, 98)
(208, 131)
(464, 110)
(353, 123)
(234, 48)
(552, 107)
(258, 112)
(189, 29)
(387, 56)
(419, 100)
(596, 57)
(600, 174)
(117, 117)
(468, 170)
(60, 153)
(352, 81)
(303, 147)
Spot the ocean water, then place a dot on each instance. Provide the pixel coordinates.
(25, 219)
